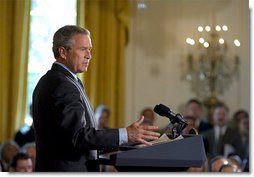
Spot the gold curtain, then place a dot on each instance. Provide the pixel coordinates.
(14, 35)
(107, 20)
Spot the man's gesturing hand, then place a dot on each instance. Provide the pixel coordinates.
(140, 133)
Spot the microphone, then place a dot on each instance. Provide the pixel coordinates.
(163, 110)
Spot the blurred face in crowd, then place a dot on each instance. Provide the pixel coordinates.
(229, 169)
(31, 151)
(24, 165)
(103, 119)
(243, 126)
(220, 116)
(9, 151)
(193, 110)
(218, 163)
(149, 117)
(77, 58)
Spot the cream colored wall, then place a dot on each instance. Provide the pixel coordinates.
(157, 50)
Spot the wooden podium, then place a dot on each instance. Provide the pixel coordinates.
(172, 156)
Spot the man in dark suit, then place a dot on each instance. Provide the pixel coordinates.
(193, 109)
(241, 119)
(66, 132)
(26, 133)
(221, 137)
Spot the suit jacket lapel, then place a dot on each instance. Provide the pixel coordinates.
(82, 92)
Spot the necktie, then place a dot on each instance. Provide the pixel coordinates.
(80, 82)
(220, 147)
(220, 134)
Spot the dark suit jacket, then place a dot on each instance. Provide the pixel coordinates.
(23, 137)
(203, 126)
(63, 122)
(213, 149)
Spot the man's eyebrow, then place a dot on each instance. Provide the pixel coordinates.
(85, 47)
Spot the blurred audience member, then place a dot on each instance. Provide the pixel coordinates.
(102, 114)
(21, 162)
(25, 134)
(149, 116)
(193, 111)
(236, 161)
(203, 168)
(237, 115)
(241, 119)
(245, 165)
(221, 140)
(1, 166)
(190, 128)
(8, 150)
(30, 149)
(228, 168)
(216, 163)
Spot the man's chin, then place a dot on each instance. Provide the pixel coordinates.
(83, 70)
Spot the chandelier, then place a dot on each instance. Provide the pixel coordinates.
(210, 67)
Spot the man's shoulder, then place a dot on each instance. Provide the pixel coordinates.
(54, 76)
(53, 80)
(231, 131)
(208, 133)
(204, 126)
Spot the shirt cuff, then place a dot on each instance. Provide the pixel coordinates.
(123, 136)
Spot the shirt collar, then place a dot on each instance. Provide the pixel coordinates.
(197, 122)
(223, 128)
(65, 67)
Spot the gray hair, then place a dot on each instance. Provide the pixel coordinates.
(5, 145)
(63, 37)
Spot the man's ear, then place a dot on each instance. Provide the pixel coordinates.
(62, 52)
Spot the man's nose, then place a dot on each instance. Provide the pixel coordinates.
(88, 54)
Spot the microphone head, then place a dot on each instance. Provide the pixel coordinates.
(161, 109)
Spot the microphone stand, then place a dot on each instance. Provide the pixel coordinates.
(177, 125)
